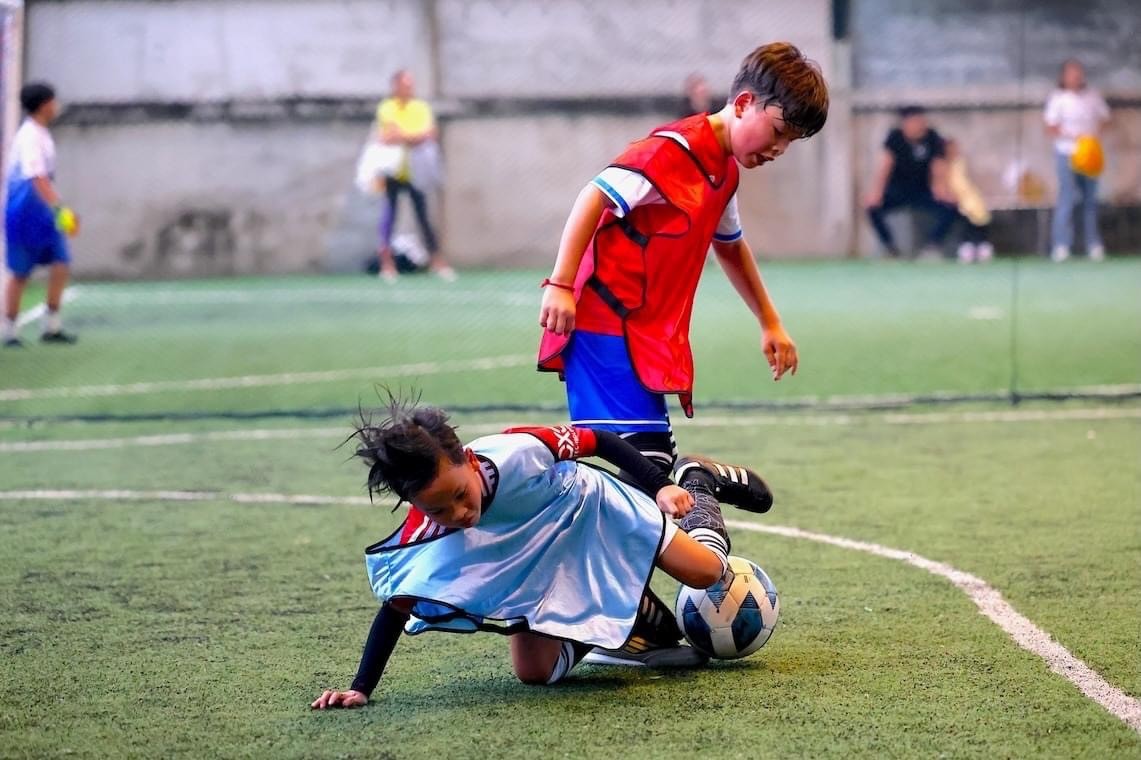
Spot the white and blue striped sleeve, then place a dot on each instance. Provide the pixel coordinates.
(729, 228)
(625, 189)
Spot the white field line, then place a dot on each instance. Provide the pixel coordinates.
(257, 381)
(126, 495)
(989, 601)
(381, 294)
(807, 420)
(991, 604)
(31, 315)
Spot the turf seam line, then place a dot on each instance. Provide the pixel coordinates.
(269, 434)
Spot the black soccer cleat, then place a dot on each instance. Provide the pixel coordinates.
(13, 343)
(60, 337)
(732, 484)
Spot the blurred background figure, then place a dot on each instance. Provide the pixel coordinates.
(406, 121)
(1074, 111)
(35, 219)
(697, 98)
(912, 174)
(972, 208)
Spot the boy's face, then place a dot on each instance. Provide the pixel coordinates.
(454, 498)
(1073, 76)
(759, 133)
(914, 127)
(48, 111)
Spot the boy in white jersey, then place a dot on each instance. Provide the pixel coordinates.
(35, 219)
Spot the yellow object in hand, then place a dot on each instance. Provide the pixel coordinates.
(1087, 158)
(66, 221)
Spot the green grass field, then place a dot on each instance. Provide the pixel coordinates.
(140, 622)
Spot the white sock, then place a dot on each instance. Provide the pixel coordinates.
(10, 329)
(52, 321)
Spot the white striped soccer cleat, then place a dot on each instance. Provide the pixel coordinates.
(732, 484)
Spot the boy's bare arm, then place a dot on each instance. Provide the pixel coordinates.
(46, 191)
(558, 305)
(741, 268)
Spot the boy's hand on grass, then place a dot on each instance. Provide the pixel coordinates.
(331, 698)
(557, 312)
(674, 501)
(780, 351)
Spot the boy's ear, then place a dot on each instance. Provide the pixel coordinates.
(742, 101)
(472, 460)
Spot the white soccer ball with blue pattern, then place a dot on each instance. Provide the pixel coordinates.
(730, 623)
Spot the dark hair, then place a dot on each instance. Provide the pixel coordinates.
(778, 73)
(911, 110)
(34, 94)
(403, 451)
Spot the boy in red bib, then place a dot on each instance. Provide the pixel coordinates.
(617, 306)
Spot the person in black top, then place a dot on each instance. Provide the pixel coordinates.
(912, 173)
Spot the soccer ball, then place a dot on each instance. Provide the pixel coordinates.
(730, 623)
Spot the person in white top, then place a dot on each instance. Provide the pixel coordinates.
(36, 223)
(1074, 110)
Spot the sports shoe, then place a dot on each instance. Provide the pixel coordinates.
(967, 253)
(732, 484)
(984, 252)
(661, 657)
(1097, 253)
(58, 336)
(445, 273)
(13, 342)
(1060, 254)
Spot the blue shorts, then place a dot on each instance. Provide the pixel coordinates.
(603, 391)
(23, 259)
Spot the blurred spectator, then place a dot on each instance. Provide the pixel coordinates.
(697, 98)
(972, 208)
(1074, 110)
(912, 173)
(406, 121)
(36, 222)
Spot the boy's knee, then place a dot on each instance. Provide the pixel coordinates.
(533, 676)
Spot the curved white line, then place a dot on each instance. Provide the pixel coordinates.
(989, 601)
(991, 604)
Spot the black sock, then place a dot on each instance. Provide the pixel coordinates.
(654, 627)
(705, 523)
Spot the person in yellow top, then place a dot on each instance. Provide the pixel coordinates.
(406, 121)
(972, 207)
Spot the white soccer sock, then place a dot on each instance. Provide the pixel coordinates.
(10, 329)
(52, 321)
(714, 542)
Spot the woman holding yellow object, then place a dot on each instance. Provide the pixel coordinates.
(1075, 116)
(406, 121)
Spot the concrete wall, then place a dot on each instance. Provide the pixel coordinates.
(218, 136)
(168, 181)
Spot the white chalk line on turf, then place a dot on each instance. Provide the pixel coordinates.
(259, 381)
(31, 315)
(805, 420)
(991, 604)
(129, 495)
(989, 601)
(379, 295)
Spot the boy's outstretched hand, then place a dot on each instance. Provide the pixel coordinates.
(331, 698)
(674, 501)
(780, 351)
(557, 312)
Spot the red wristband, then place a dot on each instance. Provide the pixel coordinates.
(552, 283)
